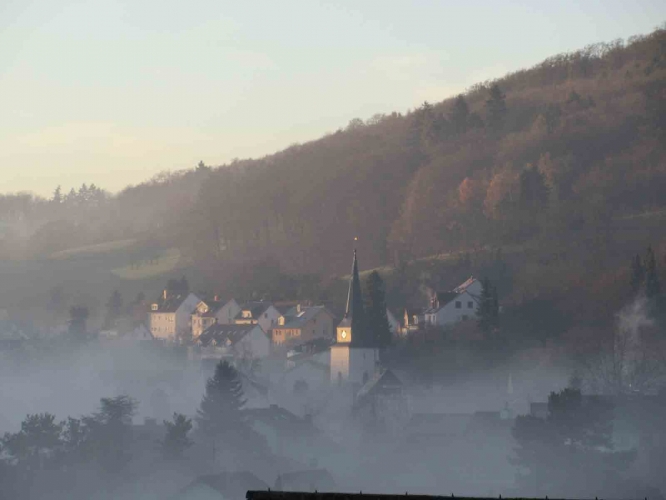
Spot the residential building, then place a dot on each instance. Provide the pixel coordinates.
(413, 319)
(171, 318)
(208, 313)
(302, 323)
(459, 304)
(260, 313)
(238, 342)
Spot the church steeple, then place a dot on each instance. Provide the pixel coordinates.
(353, 323)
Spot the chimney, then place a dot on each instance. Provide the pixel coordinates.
(165, 294)
(298, 308)
(216, 298)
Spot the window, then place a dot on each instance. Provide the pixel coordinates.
(265, 315)
(465, 317)
(458, 304)
(470, 305)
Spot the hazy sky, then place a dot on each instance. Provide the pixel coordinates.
(112, 92)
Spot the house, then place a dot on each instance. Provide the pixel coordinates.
(305, 480)
(239, 342)
(413, 319)
(171, 318)
(260, 313)
(380, 404)
(226, 485)
(207, 313)
(459, 304)
(288, 435)
(303, 323)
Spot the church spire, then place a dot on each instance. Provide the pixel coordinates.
(354, 311)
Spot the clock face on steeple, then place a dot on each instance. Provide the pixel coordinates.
(343, 334)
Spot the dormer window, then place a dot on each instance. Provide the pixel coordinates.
(154, 307)
(281, 321)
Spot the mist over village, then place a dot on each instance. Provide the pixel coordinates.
(466, 298)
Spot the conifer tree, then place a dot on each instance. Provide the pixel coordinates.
(495, 108)
(176, 440)
(637, 274)
(652, 286)
(375, 310)
(459, 115)
(485, 311)
(223, 402)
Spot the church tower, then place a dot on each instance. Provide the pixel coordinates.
(355, 356)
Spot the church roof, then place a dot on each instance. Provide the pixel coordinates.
(354, 313)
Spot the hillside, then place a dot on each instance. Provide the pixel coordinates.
(561, 166)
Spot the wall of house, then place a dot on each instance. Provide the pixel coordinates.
(254, 345)
(461, 308)
(226, 314)
(184, 314)
(163, 325)
(268, 319)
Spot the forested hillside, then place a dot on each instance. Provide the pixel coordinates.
(562, 165)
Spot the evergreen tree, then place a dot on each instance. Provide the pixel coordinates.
(459, 115)
(495, 108)
(176, 440)
(566, 451)
(485, 316)
(78, 316)
(375, 310)
(57, 196)
(113, 309)
(221, 407)
(652, 286)
(109, 432)
(637, 274)
(534, 192)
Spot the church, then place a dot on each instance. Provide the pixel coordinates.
(355, 355)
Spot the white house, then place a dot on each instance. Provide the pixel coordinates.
(172, 317)
(459, 304)
(260, 313)
(239, 342)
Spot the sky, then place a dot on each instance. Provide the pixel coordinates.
(112, 92)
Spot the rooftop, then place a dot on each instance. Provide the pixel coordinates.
(220, 333)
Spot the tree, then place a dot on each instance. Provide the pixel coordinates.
(176, 440)
(223, 401)
(109, 433)
(113, 309)
(637, 275)
(78, 316)
(459, 115)
(38, 440)
(652, 285)
(220, 417)
(375, 310)
(57, 196)
(495, 108)
(488, 311)
(533, 190)
(570, 451)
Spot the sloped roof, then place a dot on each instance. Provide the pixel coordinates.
(221, 333)
(306, 480)
(382, 381)
(300, 319)
(256, 308)
(229, 484)
(463, 286)
(279, 418)
(171, 304)
(439, 423)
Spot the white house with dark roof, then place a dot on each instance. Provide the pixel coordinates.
(172, 317)
(208, 313)
(261, 313)
(459, 304)
(302, 323)
(242, 342)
